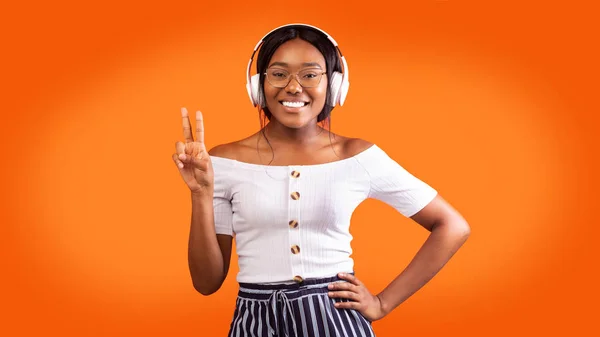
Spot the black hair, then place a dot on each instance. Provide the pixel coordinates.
(313, 36)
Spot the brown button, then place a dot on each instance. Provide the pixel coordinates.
(295, 249)
(295, 195)
(298, 279)
(295, 174)
(293, 224)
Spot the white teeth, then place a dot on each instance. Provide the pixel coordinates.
(293, 104)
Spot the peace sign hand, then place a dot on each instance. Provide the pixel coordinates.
(192, 159)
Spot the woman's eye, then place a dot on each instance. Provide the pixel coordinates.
(310, 75)
(278, 74)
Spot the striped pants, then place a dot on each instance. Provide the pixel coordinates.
(294, 310)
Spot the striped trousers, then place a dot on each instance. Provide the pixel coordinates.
(294, 310)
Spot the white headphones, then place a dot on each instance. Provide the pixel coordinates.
(338, 83)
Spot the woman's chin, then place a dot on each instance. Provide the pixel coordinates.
(295, 123)
(292, 120)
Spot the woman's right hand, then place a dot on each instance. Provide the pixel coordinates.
(192, 159)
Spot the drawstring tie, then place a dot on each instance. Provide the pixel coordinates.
(279, 303)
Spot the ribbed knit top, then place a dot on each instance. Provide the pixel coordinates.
(292, 222)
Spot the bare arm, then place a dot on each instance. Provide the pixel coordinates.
(208, 253)
(448, 233)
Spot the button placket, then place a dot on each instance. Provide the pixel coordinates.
(294, 223)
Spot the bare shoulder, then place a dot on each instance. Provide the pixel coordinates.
(354, 146)
(235, 150)
(228, 151)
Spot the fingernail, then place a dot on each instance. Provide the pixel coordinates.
(342, 274)
(182, 156)
(180, 165)
(330, 286)
(330, 293)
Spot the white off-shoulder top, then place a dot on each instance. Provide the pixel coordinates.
(291, 223)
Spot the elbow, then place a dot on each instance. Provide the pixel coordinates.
(462, 227)
(204, 281)
(207, 285)
(455, 227)
(206, 290)
(461, 230)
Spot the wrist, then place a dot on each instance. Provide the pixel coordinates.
(202, 196)
(383, 305)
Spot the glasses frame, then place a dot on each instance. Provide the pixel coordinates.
(297, 79)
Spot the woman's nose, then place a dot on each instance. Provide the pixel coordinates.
(293, 86)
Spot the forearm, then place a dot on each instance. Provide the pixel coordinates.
(445, 239)
(204, 254)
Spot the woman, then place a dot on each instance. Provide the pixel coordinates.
(287, 192)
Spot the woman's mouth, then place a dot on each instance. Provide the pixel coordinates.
(293, 105)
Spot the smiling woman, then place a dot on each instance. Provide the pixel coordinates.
(290, 214)
(294, 103)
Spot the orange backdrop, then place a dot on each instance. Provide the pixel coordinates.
(493, 105)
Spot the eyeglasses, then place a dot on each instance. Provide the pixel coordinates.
(308, 78)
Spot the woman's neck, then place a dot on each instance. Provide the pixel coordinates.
(277, 132)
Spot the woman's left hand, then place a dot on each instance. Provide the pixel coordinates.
(361, 299)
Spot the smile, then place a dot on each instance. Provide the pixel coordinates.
(293, 104)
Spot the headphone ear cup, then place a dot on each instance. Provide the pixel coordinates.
(254, 92)
(335, 86)
(344, 91)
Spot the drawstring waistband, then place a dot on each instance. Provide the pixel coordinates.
(280, 297)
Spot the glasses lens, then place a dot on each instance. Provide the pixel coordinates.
(278, 77)
(310, 77)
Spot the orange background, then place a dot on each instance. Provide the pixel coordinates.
(493, 105)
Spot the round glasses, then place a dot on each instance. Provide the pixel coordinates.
(308, 78)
